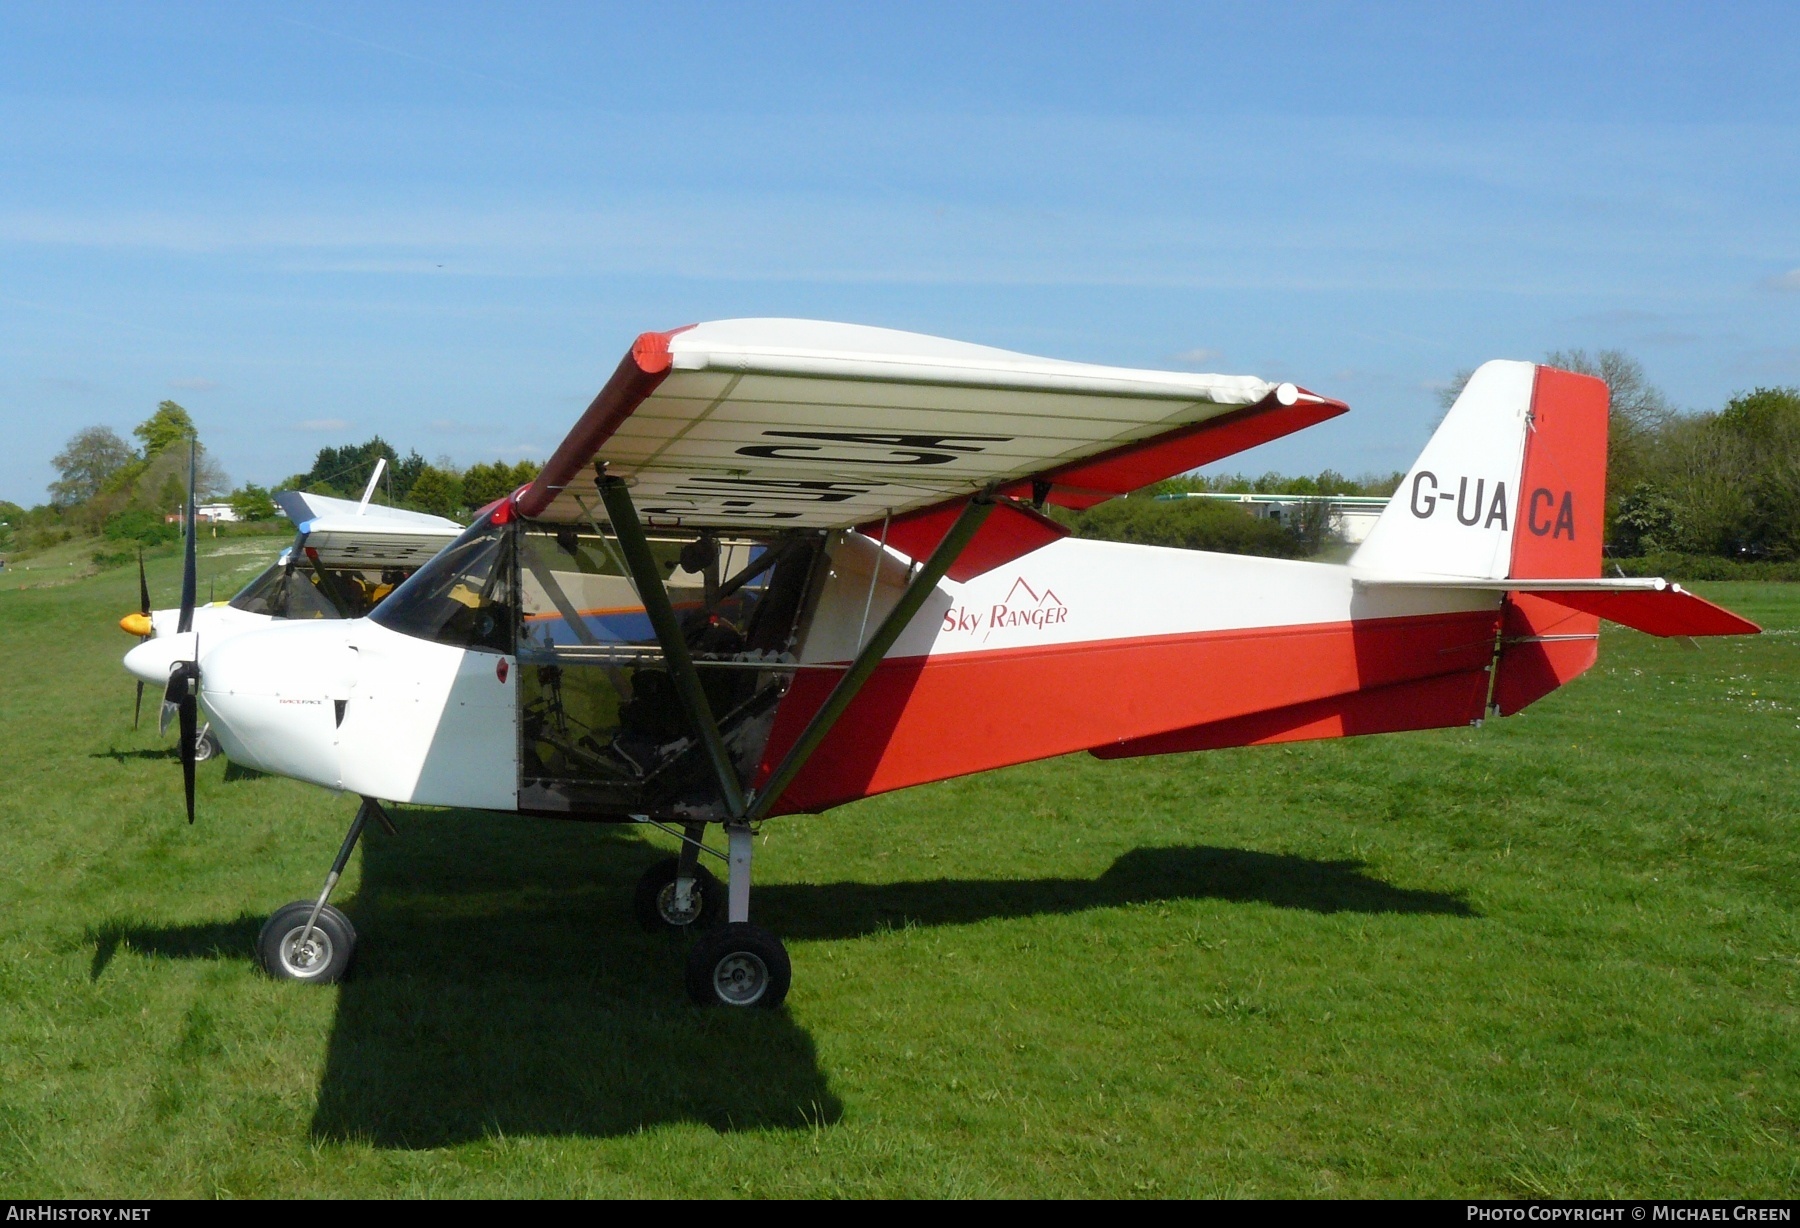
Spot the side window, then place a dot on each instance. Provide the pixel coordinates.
(465, 596)
(257, 597)
(286, 590)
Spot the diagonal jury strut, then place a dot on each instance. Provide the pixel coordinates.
(642, 564)
(921, 586)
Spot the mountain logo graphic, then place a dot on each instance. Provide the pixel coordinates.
(1027, 607)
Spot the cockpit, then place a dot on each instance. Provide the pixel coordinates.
(601, 726)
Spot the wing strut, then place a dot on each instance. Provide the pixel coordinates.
(635, 548)
(642, 564)
(922, 585)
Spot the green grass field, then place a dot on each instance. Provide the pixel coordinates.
(1558, 955)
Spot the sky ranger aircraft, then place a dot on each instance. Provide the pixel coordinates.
(345, 558)
(779, 565)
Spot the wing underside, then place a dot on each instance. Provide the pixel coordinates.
(799, 424)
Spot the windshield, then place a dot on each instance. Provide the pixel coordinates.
(299, 586)
(464, 596)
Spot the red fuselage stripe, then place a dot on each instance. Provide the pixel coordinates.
(929, 718)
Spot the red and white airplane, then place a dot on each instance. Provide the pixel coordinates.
(779, 565)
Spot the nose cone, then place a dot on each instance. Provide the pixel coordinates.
(136, 624)
(271, 697)
(151, 660)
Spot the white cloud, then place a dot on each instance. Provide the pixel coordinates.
(1199, 356)
(1789, 280)
(322, 424)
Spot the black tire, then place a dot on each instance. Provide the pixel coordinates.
(739, 965)
(331, 947)
(654, 900)
(205, 746)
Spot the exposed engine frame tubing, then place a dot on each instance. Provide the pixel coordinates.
(671, 829)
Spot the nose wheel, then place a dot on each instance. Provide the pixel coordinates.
(309, 940)
(291, 949)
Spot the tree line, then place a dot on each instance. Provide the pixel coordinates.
(1718, 484)
(1721, 483)
(441, 487)
(126, 492)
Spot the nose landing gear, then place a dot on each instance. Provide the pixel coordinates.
(309, 940)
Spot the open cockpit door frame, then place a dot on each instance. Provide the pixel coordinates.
(744, 806)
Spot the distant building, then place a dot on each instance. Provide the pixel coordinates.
(1352, 516)
(215, 513)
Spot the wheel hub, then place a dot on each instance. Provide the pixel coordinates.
(740, 978)
(670, 908)
(308, 958)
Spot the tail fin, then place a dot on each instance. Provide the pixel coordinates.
(1512, 484)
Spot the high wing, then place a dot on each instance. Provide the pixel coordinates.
(311, 513)
(805, 424)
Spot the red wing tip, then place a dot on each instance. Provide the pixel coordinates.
(1332, 404)
(651, 350)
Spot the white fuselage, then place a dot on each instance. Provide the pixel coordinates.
(151, 661)
(352, 705)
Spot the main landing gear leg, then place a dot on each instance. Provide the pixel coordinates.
(739, 964)
(309, 940)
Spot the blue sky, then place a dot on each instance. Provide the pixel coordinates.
(308, 223)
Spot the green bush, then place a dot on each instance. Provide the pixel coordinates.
(1188, 524)
(141, 527)
(1673, 566)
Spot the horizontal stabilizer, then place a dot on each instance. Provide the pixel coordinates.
(1668, 611)
(1653, 606)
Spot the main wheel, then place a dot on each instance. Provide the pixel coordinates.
(739, 965)
(656, 907)
(325, 955)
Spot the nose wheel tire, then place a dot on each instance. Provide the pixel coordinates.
(205, 746)
(739, 965)
(659, 912)
(288, 953)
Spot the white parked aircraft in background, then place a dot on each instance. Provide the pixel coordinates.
(345, 558)
(779, 565)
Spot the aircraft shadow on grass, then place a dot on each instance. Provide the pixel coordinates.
(501, 987)
(126, 756)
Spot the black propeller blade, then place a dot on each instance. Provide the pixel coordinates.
(184, 685)
(190, 578)
(137, 709)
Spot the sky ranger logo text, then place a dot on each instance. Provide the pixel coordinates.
(1024, 606)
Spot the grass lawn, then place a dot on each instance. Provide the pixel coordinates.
(1558, 955)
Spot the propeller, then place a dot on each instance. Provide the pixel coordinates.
(184, 678)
